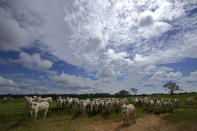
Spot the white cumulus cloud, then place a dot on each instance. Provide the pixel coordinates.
(33, 61)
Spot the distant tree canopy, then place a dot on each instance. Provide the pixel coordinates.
(134, 90)
(172, 87)
(80, 96)
(122, 93)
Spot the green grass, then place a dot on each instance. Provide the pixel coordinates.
(187, 119)
(12, 114)
(182, 116)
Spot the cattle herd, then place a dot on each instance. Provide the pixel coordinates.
(97, 105)
(6, 99)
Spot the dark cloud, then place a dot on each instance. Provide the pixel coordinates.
(105, 72)
(146, 20)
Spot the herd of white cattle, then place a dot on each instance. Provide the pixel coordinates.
(6, 99)
(96, 105)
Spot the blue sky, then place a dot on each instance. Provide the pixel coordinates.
(85, 46)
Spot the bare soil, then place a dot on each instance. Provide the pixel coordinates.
(147, 123)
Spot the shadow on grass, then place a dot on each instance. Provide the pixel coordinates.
(105, 114)
(76, 112)
(122, 126)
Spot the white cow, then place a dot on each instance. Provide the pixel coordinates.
(34, 98)
(127, 111)
(158, 105)
(5, 99)
(190, 100)
(170, 105)
(83, 106)
(176, 102)
(46, 99)
(69, 103)
(36, 107)
(151, 105)
(60, 103)
(28, 101)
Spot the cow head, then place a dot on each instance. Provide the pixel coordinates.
(33, 105)
(124, 108)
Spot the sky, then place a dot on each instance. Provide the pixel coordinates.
(97, 46)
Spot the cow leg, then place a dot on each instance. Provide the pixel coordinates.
(129, 118)
(135, 118)
(45, 113)
(35, 115)
(31, 112)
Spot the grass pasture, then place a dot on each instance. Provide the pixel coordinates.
(15, 116)
(186, 119)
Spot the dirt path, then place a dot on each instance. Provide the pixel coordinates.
(146, 123)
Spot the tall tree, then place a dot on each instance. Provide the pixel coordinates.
(122, 93)
(172, 87)
(134, 90)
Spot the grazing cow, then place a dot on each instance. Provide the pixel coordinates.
(5, 99)
(69, 103)
(36, 107)
(83, 106)
(28, 101)
(151, 105)
(136, 101)
(127, 111)
(158, 106)
(34, 98)
(109, 106)
(190, 100)
(176, 102)
(170, 105)
(47, 99)
(60, 103)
